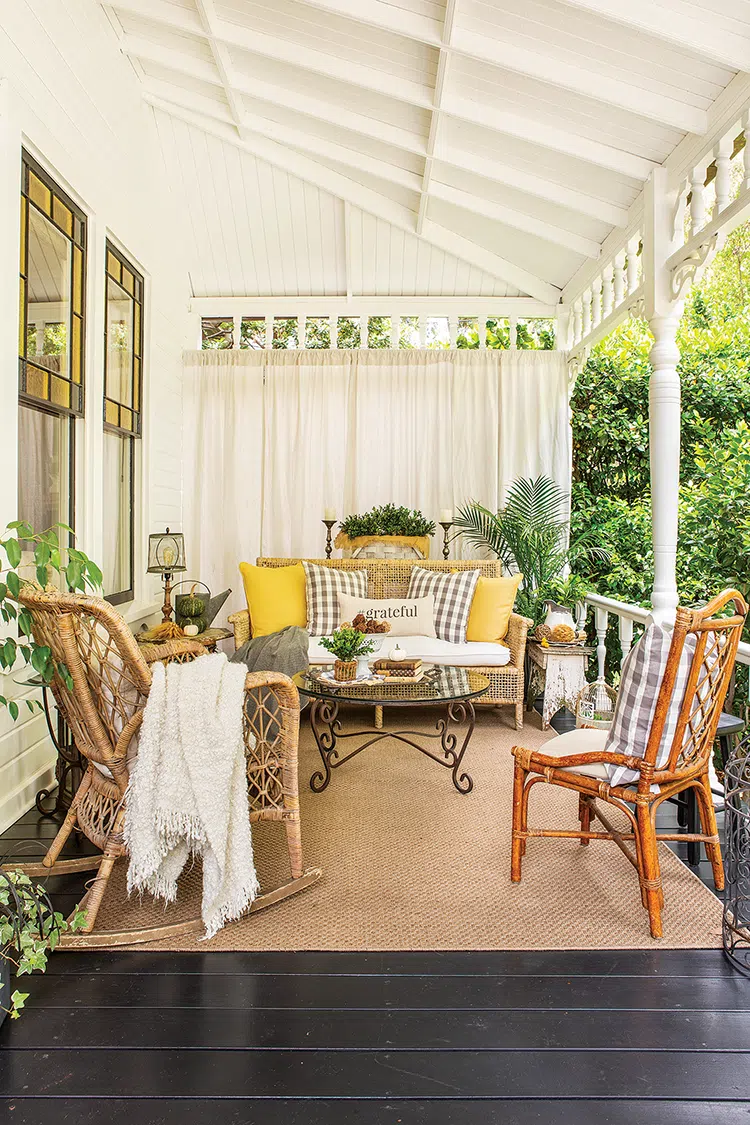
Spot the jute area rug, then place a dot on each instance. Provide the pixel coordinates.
(410, 863)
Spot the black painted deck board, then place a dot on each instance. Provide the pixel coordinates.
(409, 1038)
(374, 1074)
(384, 993)
(285, 1111)
(492, 962)
(344, 1029)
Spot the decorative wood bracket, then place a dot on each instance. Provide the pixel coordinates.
(691, 269)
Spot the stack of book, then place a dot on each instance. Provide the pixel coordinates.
(398, 669)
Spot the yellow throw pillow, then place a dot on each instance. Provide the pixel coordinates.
(275, 597)
(491, 608)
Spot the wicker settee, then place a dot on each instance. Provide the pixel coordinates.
(389, 578)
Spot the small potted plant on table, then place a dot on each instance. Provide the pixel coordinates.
(351, 648)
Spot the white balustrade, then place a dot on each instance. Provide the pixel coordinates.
(723, 173)
(628, 616)
(697, 201)
(333, 329)
(608, 291)
(632, 248)
(301, 331)
(453, 330)
(596, 303)
(395, 330)
(586, 314)
(483, 332)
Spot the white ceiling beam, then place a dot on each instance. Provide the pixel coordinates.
(499, 121)
(686, 25)
(558, 139)
(512, 124)
(386, 17)
(489, 169)
(530, 183)
(441, 77)
(499, 213)
(293, 53)
(326, 150)
(571, 76)
(368, 200)
(363, 305)
(207, 16)
(490, 262)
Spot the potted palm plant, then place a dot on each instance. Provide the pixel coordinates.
(30, 930)
(531, 534)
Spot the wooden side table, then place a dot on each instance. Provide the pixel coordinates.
(560, 671)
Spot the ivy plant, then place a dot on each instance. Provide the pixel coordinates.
(30, 930)
(42, 555)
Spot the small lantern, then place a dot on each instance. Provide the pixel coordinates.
(166, 555)
(595, 706)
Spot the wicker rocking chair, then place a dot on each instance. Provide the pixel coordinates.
(711, 667)
(111, 681)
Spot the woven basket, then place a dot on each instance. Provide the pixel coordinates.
(344, 670)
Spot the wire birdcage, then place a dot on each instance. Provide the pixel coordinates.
(736, 926)
(595, 706)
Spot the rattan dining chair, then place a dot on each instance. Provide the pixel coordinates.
(111, 679)
(716, 641)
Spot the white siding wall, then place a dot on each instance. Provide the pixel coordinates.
(70, 96)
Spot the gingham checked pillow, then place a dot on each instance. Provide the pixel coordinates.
(453, 595)
(323, 584)
(642, 674)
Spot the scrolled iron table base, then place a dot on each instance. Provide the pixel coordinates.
(453, 733)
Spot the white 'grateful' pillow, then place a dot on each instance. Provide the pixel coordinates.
(407, 617)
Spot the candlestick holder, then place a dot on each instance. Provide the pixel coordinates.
(446, 545)
(329, 546)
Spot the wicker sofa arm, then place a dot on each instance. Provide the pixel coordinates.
(177, 650)
(515, 638)
(240, 623)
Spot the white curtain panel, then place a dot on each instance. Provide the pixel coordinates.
(222, 467)
(273, 438)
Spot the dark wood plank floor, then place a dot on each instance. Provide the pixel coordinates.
(420, 1038)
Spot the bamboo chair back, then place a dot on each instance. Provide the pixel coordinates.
(717, 639)
(110, 677)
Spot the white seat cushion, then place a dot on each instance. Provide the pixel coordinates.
(470, 654)
(579, 741)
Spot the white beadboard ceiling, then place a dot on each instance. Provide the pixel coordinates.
(419, 147)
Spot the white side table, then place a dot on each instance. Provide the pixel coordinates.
(561, 671)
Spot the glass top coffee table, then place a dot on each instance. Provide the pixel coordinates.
(452, 689)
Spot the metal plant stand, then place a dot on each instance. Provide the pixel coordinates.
(69, 767)
(736, 927)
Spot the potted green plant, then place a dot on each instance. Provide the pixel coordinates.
(349, 646)
(30, 930)
(529, 534)
(386, 531)
(36, 557)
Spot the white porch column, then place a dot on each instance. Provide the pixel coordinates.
(663, 313)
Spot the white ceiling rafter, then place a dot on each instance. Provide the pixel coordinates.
(207, 17)
(510, 123)
(513, 135)
(717, 38)
(446, 37)
(368, 200)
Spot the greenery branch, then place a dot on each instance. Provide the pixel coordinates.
(74, 570)
(30, 930)
(387, 520)
(347, 643)
(530, 534)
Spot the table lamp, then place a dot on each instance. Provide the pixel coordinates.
(166, 555)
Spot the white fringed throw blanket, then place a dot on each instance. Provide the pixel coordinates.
(188, 790)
